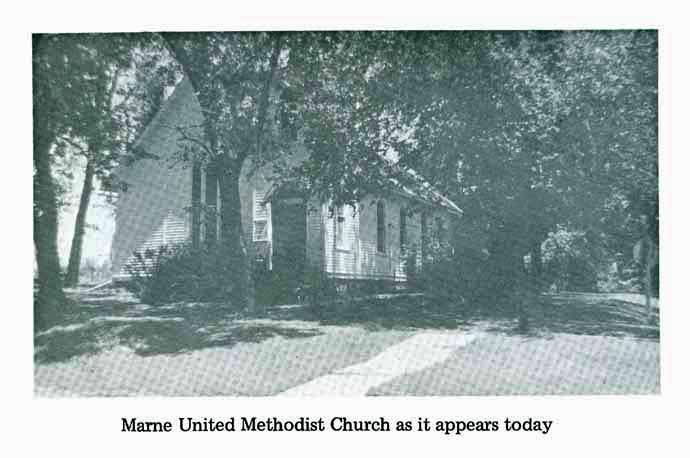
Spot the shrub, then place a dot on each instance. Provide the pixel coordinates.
(273, 286)
(572, 260)
(470, 277)
(443, 275)
(440, 279)
(318, 288)
(180, 273)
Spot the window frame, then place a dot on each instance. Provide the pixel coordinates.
(440, 230)
(403, 230)
(340, 220)
(256, 219)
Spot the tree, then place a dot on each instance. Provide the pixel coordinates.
(235, 77)
(527, 131)
(465, 130)
(54, 96)
(80, 108)
(521, 128)
(124, 80)
(332, 106)
(261, 96)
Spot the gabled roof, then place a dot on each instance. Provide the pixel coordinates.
(415, 188)
(182, 99)
(411, 185)
(419, 189)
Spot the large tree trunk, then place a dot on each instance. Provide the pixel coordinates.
(536, 259)
(211, 207)
(72, 277)
(512, 284)
(648, 283)
(50, 301)
(645, 252)
(232, 238)
(506, 264)
(196, 205)
(536, 265)
(650, 260)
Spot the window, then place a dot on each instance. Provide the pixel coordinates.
(440, 231)
(260, 218)
(380, 227)
(403, 229)
(340, 227)
(344, 235)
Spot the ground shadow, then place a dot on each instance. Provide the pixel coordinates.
(386, 313)
(592, 314)
(109, 319)
(572, 313)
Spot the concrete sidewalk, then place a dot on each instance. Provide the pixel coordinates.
(411, 355)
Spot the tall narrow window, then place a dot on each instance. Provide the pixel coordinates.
(440, 231)
(380, 227)
(260, 218)
(339, 226)
(343, 231)
(403, 229)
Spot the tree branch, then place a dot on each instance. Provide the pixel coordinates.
(82, 150)
(264, 102)
(186, 137)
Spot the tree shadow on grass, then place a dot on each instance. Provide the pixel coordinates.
(103, 322)
(573, 313)
(584, 314)
(169, 338)
(377, 314)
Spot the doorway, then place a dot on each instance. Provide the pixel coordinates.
(289, 221)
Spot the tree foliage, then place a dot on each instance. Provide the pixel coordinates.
(93, 93)
(236, 79)
(531, 130)
(534, 134)
(527, 131)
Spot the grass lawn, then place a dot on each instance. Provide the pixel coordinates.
(112, 345)
(565, 364)
(578, 343)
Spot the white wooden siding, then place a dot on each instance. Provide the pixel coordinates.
(153, 212)
(363, 260)
(174, 229)
(159, 194)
